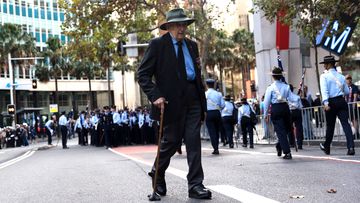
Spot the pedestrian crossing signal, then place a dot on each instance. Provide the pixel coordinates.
(11, 109)
(34, 84)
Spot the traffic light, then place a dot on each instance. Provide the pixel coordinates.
(120, 48)
(11, 109)
(34, 84)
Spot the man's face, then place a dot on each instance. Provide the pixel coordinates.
(178, 30)
(348, 81)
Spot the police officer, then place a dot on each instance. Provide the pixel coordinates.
(276, 95)
(295, 105)
(228, 121)
(107, 117)
(215, 103)
(117, 135)
(50, 127)
(64, 130)
(245, 122)
(333, 89)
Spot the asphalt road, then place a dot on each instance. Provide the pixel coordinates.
(91, 174)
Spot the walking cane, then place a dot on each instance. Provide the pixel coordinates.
(154, 196)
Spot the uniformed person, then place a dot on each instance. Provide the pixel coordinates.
(107, 117)
(333, 89)
(50, 127)
(276, 95)
(117, 138)
(228, 121)
(295, 105)
(245, 122)
(215, 103)
(63, 122)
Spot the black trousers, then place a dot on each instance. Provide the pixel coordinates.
(49, 136)
(338, 108)
(281, 119)
(64, 132)
(213, 124)
(187, 127)
(227, 122)
(296, 119)
(246, 128)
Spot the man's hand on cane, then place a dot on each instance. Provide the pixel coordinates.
(160, 103)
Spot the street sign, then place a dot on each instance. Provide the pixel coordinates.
(11, 109)
(53, 108)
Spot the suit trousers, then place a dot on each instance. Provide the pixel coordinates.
(339, 108)
(281, 119)
(296, 119)
(187, 127)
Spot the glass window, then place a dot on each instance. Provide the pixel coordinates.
(55, 15)
(42, 99)
(11, 9)
(63, 40)
(63, 100)
(49, 15)
(5, 7)
(43, 35)
(17, 10)
(37, 34)
(36, 13)
(23, 11)
(62, 16)
(30, 12)
(42, 13)
(81, 99)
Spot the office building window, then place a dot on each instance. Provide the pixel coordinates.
(56, 16)
(11, 9)
(43, 35)
(63, 100)
(43, 99)
(63, 40)
(4, 8)
(36, 13)
(37, 34)
(82, 99)
(42, 13)
(62, 17)
(30, 12)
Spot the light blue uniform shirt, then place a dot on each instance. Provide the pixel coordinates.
(62, 120)
(125, 117)
(228, 109)
(294, 101)
(214, 100)
(277, 92)
(94, 120)
(244, 110)
(116, 118)
(141, 119)
(332, 84)
(77, 124)
(48, 124)
(189, 65)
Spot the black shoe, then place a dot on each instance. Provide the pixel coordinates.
(324, 149)
(160, 184)
(287, 156)
(244, 145)
(300, 147)
(216, 151)
(231, 146)
(351, 151)
(200, 192)
(252, 146)
(278, 150)
(65, 147)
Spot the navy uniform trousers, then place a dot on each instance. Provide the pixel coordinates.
(339, 108)
(281, 119)
(213, 124)
(187, 128)
(296, 118)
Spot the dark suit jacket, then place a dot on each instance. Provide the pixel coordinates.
(159, 76)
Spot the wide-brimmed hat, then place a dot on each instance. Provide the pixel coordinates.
(277, 71)
(328, 59)
(176, 15)
(210, 81)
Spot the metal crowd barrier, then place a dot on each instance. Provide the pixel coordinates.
(314, 126)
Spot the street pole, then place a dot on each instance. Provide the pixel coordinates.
(11, 88)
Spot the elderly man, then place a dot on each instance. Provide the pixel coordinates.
(173, 61)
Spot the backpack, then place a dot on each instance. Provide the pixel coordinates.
(235, 114)
(253, 118)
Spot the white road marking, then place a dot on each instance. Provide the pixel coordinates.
(294, 155)
(13, 161)
(226, 190)
(239, 194)
(2, 152)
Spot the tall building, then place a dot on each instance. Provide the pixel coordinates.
(42, 19)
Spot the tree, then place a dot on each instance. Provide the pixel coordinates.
(244, 51)
(17, 43)
(54, 65)
(307, 16)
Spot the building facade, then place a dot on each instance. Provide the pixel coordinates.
(42, 19)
